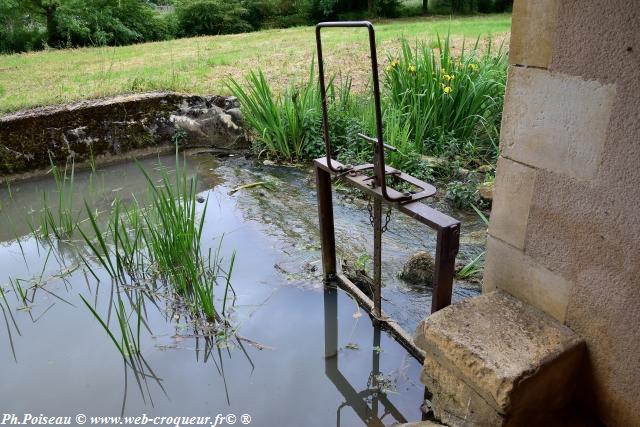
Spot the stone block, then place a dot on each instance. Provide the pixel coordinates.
(510, 269)
(511, 201)
(494, 360)
(419, 424)
(555, 121)
(533, 30)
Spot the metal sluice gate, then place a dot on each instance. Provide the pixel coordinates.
(376, 180)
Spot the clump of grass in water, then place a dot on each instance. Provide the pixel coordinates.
(58, 223)
(163, 242)
(129, 342)
(6, 309)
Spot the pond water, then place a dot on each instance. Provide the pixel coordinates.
(309, 356)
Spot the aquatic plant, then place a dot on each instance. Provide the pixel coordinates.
(162, 242)
(283, 123)
(6, 309)
(434, 102)
(474, 266)
(448, 98)
(58, 223)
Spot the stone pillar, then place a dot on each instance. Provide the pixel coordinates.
(565, 223)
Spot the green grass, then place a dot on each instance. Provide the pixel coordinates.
(161, 242)
(200, 65)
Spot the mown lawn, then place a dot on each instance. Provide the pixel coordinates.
(200, 65)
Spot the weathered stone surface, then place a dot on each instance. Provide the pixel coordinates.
(533, 29)
(495, 360)
(419, 269)
(511, 204)
(113, 126)
(510, 269)
(583, 222)
(555, 121)
(419, 424)
(485, 190)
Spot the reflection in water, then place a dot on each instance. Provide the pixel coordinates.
(371, 405)
(66, 363)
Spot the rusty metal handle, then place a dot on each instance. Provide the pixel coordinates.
(375, 141)
(378, 155)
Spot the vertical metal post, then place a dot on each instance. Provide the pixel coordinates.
(325, 214)
(331, 327)
(446, 251)
(377, 257)
(375, 367)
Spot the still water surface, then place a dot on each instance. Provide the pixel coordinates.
(317, 354)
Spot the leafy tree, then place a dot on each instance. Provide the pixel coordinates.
(210, 17)
(47, 9)
(19, 30)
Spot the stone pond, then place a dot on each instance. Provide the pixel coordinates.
(58, 360)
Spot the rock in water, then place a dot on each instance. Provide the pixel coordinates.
(419, 269)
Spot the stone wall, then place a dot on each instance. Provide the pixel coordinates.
(565, 225)
(28, 139)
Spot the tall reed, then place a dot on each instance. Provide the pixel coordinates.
(282, 122)
(161, 241)
(59, 222)
(447, 97)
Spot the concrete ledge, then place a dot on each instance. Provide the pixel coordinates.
(30, 139)
(494, 360)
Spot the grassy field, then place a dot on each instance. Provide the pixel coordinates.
(200, 65)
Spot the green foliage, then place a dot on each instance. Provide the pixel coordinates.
(448, 99)
(211, 17)
(58, 222)
(18, 31)
(283, 123)
(161, 243)
(35, 24)
(472, 268)
(108, 22)
(462, 195)
(32, 24)
(387, 8)
(475, 266)
(433, 103)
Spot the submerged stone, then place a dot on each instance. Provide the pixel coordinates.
(418, 269)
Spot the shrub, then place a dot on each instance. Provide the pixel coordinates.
(110, 22)
(18, 38)
(18, 31)
(462, 195)
(211, 17)
(387, 8)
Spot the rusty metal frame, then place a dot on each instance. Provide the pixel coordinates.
(378, 142)
(447, 244)
(375, 186)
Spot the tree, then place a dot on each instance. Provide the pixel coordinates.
(48, 9)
